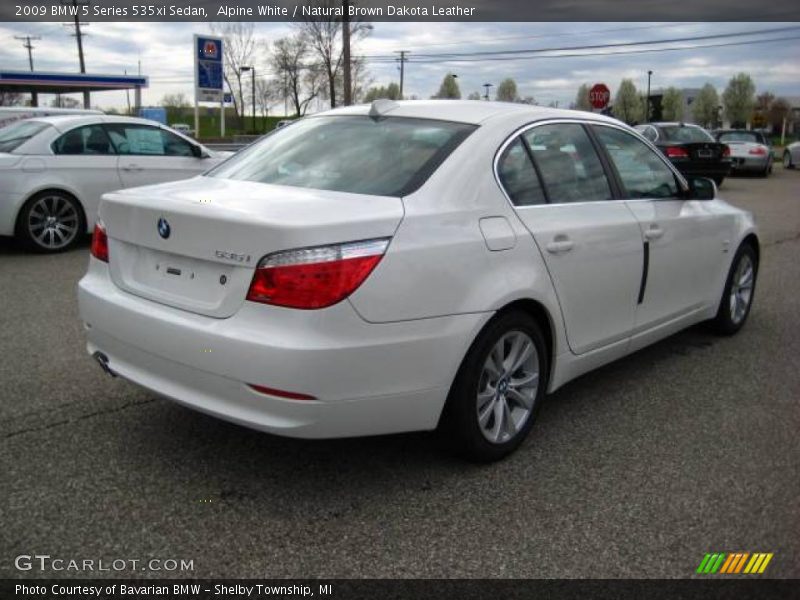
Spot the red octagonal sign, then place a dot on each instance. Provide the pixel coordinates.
(599, 95)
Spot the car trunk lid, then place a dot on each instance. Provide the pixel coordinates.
(194, 244)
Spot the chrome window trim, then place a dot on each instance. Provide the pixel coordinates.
(624, 128)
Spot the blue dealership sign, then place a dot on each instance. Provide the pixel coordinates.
(208, 74)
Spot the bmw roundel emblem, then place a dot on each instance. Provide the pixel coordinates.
(163, 228)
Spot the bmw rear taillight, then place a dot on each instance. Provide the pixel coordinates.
(99, 243)
(726, 150)
(316, 277)
(677, 152)
(758, 151)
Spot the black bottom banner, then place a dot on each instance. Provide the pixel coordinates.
(389, 589)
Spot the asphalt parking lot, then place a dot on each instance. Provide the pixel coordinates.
(635, 470)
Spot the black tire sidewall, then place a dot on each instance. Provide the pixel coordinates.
(23, 233)
(459, 421)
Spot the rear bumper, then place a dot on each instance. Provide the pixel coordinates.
(368, 378)
(749, 163)
(695, 169)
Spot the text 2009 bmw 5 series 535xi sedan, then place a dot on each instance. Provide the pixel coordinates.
(410, 265)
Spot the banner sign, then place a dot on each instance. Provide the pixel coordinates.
(208, 64)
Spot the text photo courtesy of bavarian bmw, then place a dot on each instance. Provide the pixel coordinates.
(410, 265)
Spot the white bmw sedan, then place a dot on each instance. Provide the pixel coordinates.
(53, 171)
(409, 266)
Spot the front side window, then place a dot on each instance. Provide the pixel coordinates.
(391, 156)
(643, 173)
(14, 135)
(89, 139)
(146, 140)
(518, 176)
(568, 163)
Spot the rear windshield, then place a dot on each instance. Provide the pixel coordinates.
(740, 136)
(14, 135)
(685, 133)
(390, 156)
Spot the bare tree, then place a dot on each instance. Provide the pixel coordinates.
(301, 81)
(324, 37)
(10, 99)
(239, 44)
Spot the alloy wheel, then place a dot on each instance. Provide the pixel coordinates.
(53, 222)
(507, 387)
(741, 289)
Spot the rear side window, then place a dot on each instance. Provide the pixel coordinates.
(90, 139)
(391, 156)
(568, 163)
(518, 176)
(14, 135)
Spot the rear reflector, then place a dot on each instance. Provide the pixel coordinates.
(280, 393)
(99, 247)
(677, 152)
(311, 278)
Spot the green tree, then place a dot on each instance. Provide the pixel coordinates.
(628, 104)
(582, 98)
(704, 107)
(672, 105)
(474, 96)
(779, 110)
(391, 92)
(449, 88)
(507, 91)
(739, 99)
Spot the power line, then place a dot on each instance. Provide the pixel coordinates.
(454, 55)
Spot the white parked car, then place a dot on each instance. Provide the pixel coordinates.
(54, 169)
(791, 155)
(410, 266)
(183, 128)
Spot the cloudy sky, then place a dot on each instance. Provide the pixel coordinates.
(165, 52)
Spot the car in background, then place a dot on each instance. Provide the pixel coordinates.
(183, 128)
(445, 266)
(791, 155)
(692, 149)
(54, 169)
(750, 150)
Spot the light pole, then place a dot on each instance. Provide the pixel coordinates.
(647, 108)
(487, 86)
(253, 73)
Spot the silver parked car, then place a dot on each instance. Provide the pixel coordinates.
(750, 150)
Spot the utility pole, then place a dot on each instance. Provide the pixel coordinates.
(79, 36)
(647, 108)
(27, 44)
(348, 88)
(402, 69)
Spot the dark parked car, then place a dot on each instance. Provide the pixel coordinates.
(692, 150)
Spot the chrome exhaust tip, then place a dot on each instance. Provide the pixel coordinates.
(102, 360)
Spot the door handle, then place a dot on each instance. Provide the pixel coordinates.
(560, 244)
(654, 232)
(133, 167)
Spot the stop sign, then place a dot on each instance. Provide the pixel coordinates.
(599, 95)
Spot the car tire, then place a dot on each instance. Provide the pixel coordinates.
(737, 296)
(51, 221)
(787, 160)
(489, 412)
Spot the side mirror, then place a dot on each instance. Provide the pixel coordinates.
(702, 188)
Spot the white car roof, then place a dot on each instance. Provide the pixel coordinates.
(468, 111)
(62, 122)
